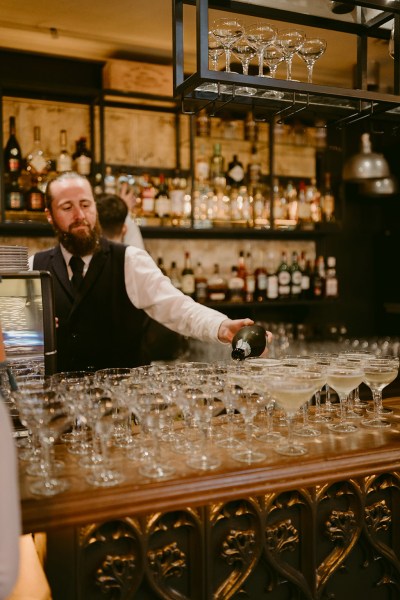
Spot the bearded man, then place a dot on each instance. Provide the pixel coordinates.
(104, 290)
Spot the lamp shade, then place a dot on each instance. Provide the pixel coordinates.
(379, 187)
(366, 164)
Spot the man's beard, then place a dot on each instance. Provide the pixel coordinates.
(80, 245)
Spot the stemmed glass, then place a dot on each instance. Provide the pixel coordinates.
(260, 36)
(344, 377)
(215, 50)
(310, 51)
(112, 379)
(45, 411)
(245, 53)
(291, 388)
(228, 32)
(378, 373)
(289, 40)
(103, 474)
(202, 408)
(273, 56)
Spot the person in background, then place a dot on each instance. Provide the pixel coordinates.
(115, 218)
(159, 342)
(104, 290)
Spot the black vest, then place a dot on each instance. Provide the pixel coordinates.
(99, 327)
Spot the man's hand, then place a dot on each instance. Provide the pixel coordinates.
(229, 327)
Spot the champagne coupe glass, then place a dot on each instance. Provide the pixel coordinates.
(289, 40)
(72, 384)
(260, 36)
(227, 31)
(48, 410)
(378, 373)
(245, 53)
(215, 50)
(343, 378)
(273, 56)
(310, 51)
(307, 430)
(104, 474)
(292, 388)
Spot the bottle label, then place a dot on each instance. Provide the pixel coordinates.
(202, 170)
(272, 289)
(83, 164)
(262, 281)
(36, 201)
(38, 163)
(15, 200)
(236, 173)
(305, 282)
(331, 288)
(245, 346)
(188, 286)
(64, 163)
(148, 204)
(163, 206)
(13, 165)
(201, 291)
(284, 278)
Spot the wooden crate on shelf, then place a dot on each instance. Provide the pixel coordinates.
(139, 77)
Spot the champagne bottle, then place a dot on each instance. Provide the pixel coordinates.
(12, 152)
(248, 341)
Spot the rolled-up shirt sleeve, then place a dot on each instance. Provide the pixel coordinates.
(149, 289)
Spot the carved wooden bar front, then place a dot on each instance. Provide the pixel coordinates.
(239, 533)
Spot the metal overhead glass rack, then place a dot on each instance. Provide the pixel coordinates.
(370, 19)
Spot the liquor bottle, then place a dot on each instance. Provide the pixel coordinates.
(235, 172)
(254, 170)
(175, 276)
(305, 268)
(15, 197)
(318, 284)
(203, 124)
(37, 163)
(296, 276)
(261, 283)
(35, 197)
(249, 280)
(64, 159)
(242, 268)
(202, 167)
(162, 201)
(331, 282)
(272, 284)
(217, 172)
(98, 184)
(82, 157)
(304, 220)
(187, 277)
(328, 200)
(284, 278)
(200, 284)
(147, 194)
(217, 287)
(12, 152)
(250, 128)
(236, 286)
(249, 341)
(110, 182)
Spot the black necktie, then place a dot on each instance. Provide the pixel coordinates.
(76, 264)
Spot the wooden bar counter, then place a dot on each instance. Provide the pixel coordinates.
(319, 526)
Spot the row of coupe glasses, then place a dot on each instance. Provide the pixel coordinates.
(158, 416)
(271, 47)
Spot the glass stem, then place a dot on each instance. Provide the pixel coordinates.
(289, 422)
(289, 68)
(343, 403)
(310, 72)
(261, 62)
(378, 405)
(227, 60)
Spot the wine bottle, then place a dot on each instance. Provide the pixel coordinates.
(12, 152)
(284, 277)
(235, 173)
(187, 277)
(82, 157)
(200, 282)
(15, 198)
(248, 341)
(64, 159)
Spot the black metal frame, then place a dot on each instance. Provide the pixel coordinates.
(344, 105)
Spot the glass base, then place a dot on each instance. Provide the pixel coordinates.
(203, 462)
(213, 87)
(34, 469)
(291, 449)
(375, 423)
(245, 91)
(50, 487)
(156, 471)
(105, 478)
(249, 456)
(268, 436)
(307, 431)
(342, 427)
(273, 94)
(382, 411)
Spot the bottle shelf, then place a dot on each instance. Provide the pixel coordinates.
(278, 303)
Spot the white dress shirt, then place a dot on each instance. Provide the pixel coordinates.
(150, 290)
